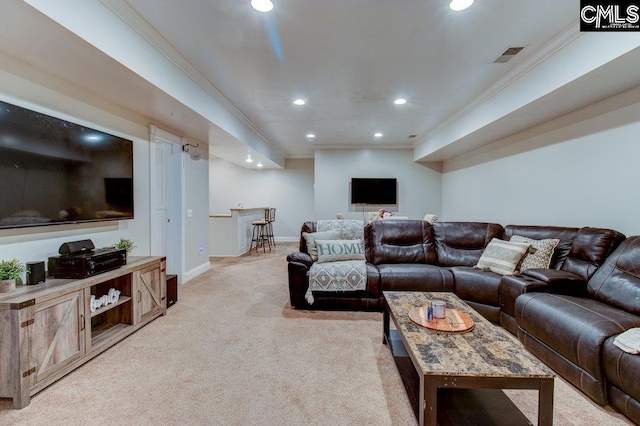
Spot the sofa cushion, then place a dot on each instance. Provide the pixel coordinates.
(462, 243)
(590, 249)
(617, 282)
(540, 254)
(336, 250)
(476, 285)
(406, 241)
(502, 257)
(311, 238)
(415, 277)
(575, 327)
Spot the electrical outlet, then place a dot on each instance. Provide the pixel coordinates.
(201, 248)
(189, 213)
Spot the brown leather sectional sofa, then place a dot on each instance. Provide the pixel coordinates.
(566, 315)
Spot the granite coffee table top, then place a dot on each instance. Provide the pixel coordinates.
(487, 350)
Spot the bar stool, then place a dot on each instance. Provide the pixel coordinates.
(259, 233)
(271, 218)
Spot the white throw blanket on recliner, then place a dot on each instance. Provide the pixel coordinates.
(344, 275)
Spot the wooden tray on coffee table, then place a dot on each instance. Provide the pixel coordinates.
(453, 321)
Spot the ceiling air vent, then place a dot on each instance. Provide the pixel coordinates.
(412, 136)
(508, 54)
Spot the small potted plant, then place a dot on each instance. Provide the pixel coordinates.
(125, 244)
(10, 271)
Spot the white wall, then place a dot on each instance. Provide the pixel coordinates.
(578, 180)
(419, 188)
(196, 199)
(76, 105)
(289, 190)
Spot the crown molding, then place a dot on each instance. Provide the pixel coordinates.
(136, 22)
(360, 147)
(564, 38)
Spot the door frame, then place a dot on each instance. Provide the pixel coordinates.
(175, 259)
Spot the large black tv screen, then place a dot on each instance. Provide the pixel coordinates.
(55, 172)
(373, 191)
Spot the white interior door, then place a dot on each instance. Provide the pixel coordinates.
(166, 199)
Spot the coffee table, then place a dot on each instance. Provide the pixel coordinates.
(446, 368)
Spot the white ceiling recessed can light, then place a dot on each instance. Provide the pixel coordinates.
(249, 159)
(262, 5)
(310, 136)
(378, 135)
(259, 164)
(458, 5)
(300, 102)
(400, 101)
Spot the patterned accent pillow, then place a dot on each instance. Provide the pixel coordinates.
(502, 257)
(540, 253)
(349, 229)
(311, 237)
(335, 250)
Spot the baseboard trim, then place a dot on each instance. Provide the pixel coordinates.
(198, 270)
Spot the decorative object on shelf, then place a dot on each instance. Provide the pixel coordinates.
(10, 272)
(382, 213)
(111, 297)
(125, 244)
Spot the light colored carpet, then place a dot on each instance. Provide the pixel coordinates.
(233, 352)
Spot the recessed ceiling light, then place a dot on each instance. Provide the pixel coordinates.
(262, 5)
(378, 135)
(311, 136)
(400, 101)
(300, 102)
(249, 159)
(458, 5)
(259, 164)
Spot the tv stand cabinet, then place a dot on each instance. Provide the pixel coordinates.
(48, 330)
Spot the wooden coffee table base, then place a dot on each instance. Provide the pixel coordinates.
(449, 398)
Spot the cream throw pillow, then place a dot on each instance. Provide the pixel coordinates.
(335, 250)
(540, 253)
(311, 237)
(502, 257)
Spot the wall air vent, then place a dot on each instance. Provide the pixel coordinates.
(508, 54)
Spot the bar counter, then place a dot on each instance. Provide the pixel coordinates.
(230, 233)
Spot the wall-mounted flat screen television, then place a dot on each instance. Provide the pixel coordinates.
(56, 172)
(373, 191)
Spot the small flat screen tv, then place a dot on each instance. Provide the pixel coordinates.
(56, 172)
(373, 190)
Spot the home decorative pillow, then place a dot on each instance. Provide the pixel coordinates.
(334, 250)
(540, 253)
(502, 257)
(311, 237)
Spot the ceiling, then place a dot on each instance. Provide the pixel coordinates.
(349, 59)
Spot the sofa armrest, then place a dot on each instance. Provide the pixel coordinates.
(298, 267)
(537, 280)
(557, 281)
(300, 257)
